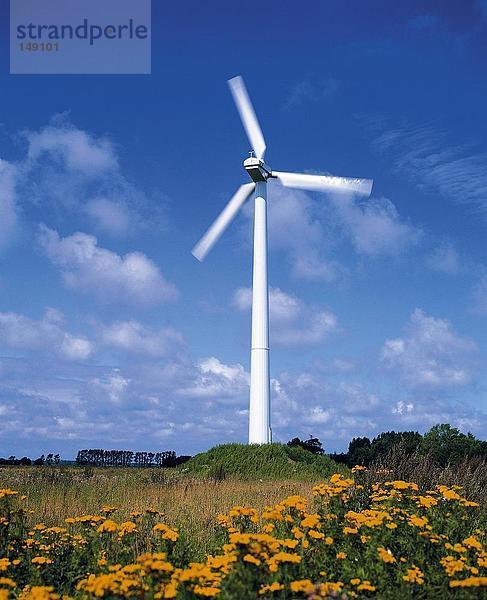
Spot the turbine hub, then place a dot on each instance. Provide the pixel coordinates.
(257, 169)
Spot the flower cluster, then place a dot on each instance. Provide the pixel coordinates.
(351, 541)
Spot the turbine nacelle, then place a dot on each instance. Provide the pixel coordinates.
(257, 169)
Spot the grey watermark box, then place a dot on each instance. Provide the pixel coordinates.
(80, 37)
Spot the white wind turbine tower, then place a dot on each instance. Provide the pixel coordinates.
(261, 173)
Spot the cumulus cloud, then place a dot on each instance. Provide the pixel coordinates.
(293, 323)
(9, 210)
(111, 216)
(134, 338)
(217, 380)
(374, 226)
(112, 386)
(309, 231)
(431, 355)
(67, 169)
(74, 149)
(176, 403)
(47, 335)
(88, 268)
(444, 259)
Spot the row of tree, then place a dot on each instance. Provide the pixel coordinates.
(50, 459)
(443, 443)
(127, 458)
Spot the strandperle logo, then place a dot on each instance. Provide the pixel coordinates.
(80, 37)
(84, 31)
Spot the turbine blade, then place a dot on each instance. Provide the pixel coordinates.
(247, 114)
(325, 183)
(222, 221)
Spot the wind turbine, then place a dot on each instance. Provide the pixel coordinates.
(260, 173)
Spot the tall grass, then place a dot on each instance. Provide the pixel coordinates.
(189, 502)
(470, 473)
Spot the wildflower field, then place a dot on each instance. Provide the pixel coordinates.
(347, 537)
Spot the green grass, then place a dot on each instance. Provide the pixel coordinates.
(266, 462)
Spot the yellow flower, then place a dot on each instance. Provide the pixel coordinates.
(127, 527)
(427, 501)
(8, 582)
(41, 560)
(349, 530)
(402, 485)
(385, 555)
(302, 585)
(4, 564)
(366, 587)
(355, 581)
(107, 526)
(38, 593)
(472, 542)
(317, 535)
(310, 521)
(469, 582)
(358, 468)
(452, 565)
(341, 555)
(273, 587)
(416, 521)
(329, 540)
(414, 575)
(251, 559)
(208, 592)
(7, 492)
(448, 494)
(168, 533)
(288, 543)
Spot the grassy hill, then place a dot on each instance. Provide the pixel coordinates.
(269, 461)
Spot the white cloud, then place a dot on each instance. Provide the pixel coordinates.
(216, 381)
(73, 148)
(133, 337)
(292, 322)
(9, 217)
(113, 386)
(374, 226)
(47, 335)
(174, 403)
(88, 268)
(110, 216)
(309, 231)
(67, 169)
(444, 259)
(431, 355)
(402, 408)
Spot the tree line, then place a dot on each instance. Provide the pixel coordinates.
(442, 443)
(127, 458)
(49, 459)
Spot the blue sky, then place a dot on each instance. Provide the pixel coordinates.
(113, 335)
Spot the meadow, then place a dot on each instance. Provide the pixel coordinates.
(304, 530)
